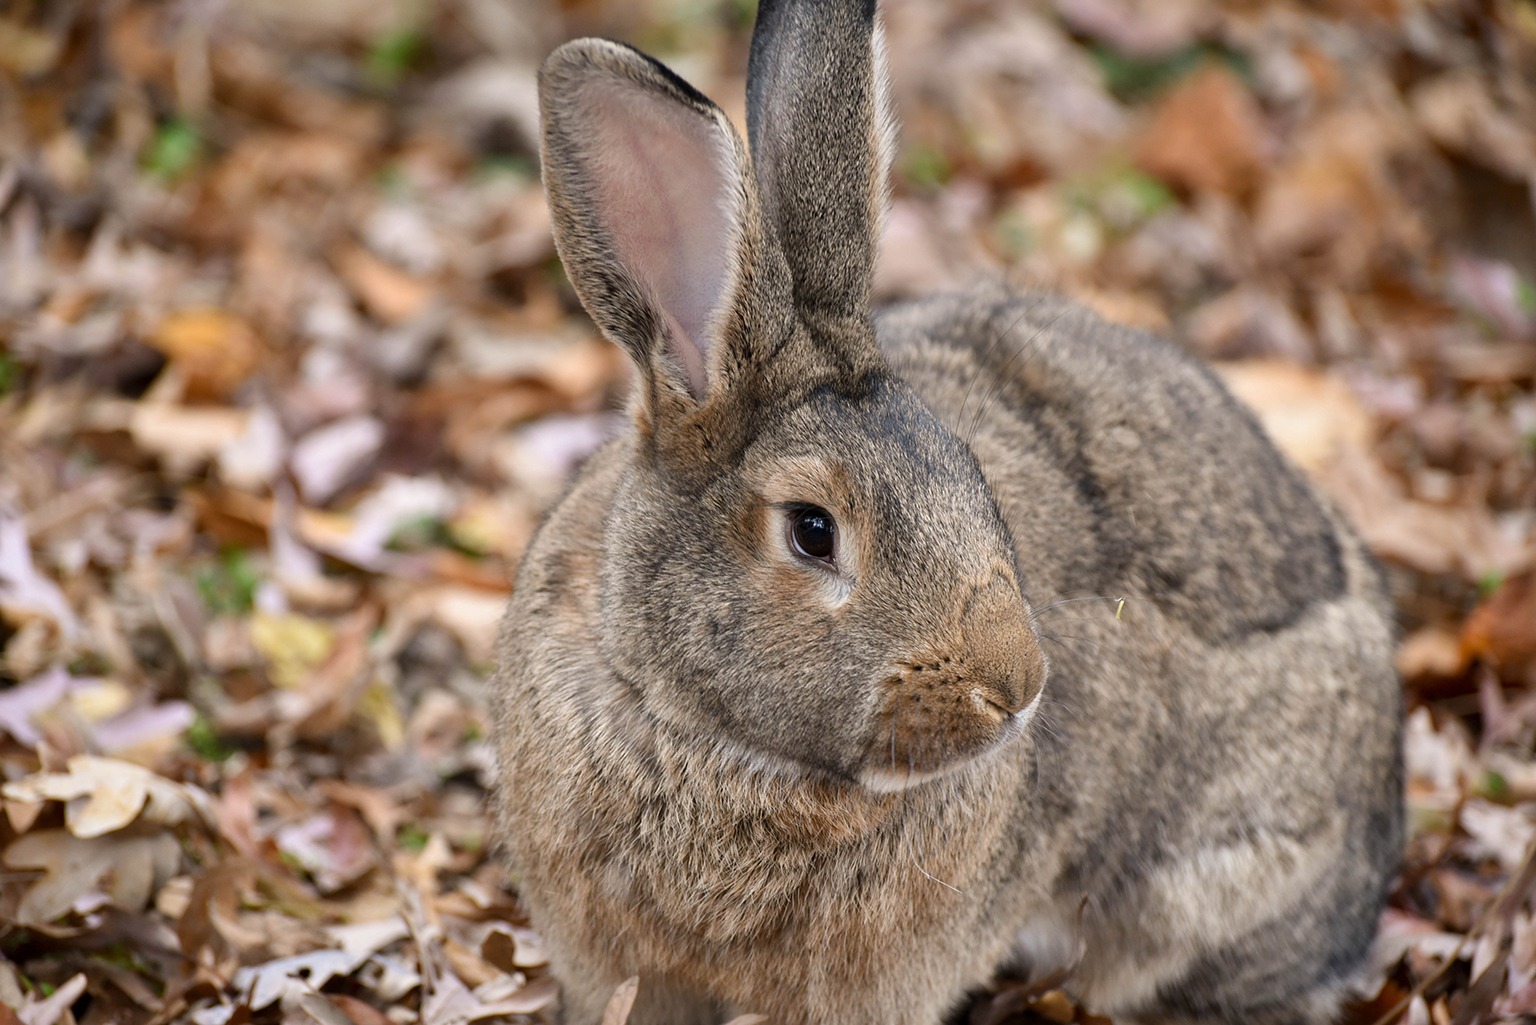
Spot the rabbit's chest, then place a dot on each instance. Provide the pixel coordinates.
(694, 858)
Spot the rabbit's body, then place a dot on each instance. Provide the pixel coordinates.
(773, 703)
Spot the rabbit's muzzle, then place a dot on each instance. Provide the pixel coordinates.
(958, 700)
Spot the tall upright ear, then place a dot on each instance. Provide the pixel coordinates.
(655, 213)
(821, 141)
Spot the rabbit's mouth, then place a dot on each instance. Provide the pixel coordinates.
(926, 732)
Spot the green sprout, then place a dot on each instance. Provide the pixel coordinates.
(175, 150)
(229, 586)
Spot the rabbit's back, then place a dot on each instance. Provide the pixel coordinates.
(1219, 753)
(1123, 460)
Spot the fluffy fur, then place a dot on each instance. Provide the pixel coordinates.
(852, 793)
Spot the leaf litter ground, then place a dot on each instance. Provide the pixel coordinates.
(289, 372)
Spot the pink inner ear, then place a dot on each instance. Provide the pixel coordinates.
(665, 185)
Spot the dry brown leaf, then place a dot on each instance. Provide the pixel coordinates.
(1335, 194)
(1503, 628)
(1248, 322)
(25, 52)
(1310, 415)
(1430, 652)
(470, 614)
(358, 1012)
(22, 585)
(1459, 111)
(389, 293)
(1054, 1006)
(215, 349)
(1462, 539)
(1207, 134)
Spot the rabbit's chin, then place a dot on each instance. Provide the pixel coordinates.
(884, 778)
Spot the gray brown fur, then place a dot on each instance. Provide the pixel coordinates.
(833, 797)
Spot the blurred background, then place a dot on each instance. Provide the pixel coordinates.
(289, 372)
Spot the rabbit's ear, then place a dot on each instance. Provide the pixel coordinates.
(821, 140)
(655, 213)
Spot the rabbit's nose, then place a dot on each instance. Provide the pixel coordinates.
(1004, 653)
(1010, 691)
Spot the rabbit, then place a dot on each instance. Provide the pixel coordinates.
(790, 714)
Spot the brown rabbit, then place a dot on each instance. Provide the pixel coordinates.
(785, 719)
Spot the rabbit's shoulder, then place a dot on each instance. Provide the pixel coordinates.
(1123, 465)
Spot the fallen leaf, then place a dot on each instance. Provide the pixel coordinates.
(130, 864)
(1458, 110)
(1310, 415)
(1453, 539)
(1504, 833)
(1207, 134)
(292, 645)
(622, 1002)
(50, 1009)
(215, 349)
(103, 795)
(1503, 628)
(389, 293)
(187, 438)
(265, 984)
(252, 460)
(328, 458)
(20, 706)
(452, 1003)
(21, 585)
(1430, 652)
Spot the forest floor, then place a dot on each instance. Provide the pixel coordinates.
(289, 372)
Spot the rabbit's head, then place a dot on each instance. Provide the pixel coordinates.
(801, 565)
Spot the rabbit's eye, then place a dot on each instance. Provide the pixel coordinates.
(812, 534)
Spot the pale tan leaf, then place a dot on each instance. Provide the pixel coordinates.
(130, 865)
(105, 794)
(622, 1002)
(51, 1008)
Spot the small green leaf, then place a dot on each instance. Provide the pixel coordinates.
(1148, 195)
(10, 372)
(925, 168)
(204, 741)
(394, 54)
(1489, 582)
(417, 534)
(1137, 78)
(229, 586)
(1525, 296)
(492, 168)
(175, 150)
(412, 837)
(1494, 786)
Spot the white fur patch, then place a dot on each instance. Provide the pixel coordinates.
(1045, 945)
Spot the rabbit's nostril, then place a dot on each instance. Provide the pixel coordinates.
(990, 700)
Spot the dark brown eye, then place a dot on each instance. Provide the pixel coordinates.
(812, 534)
